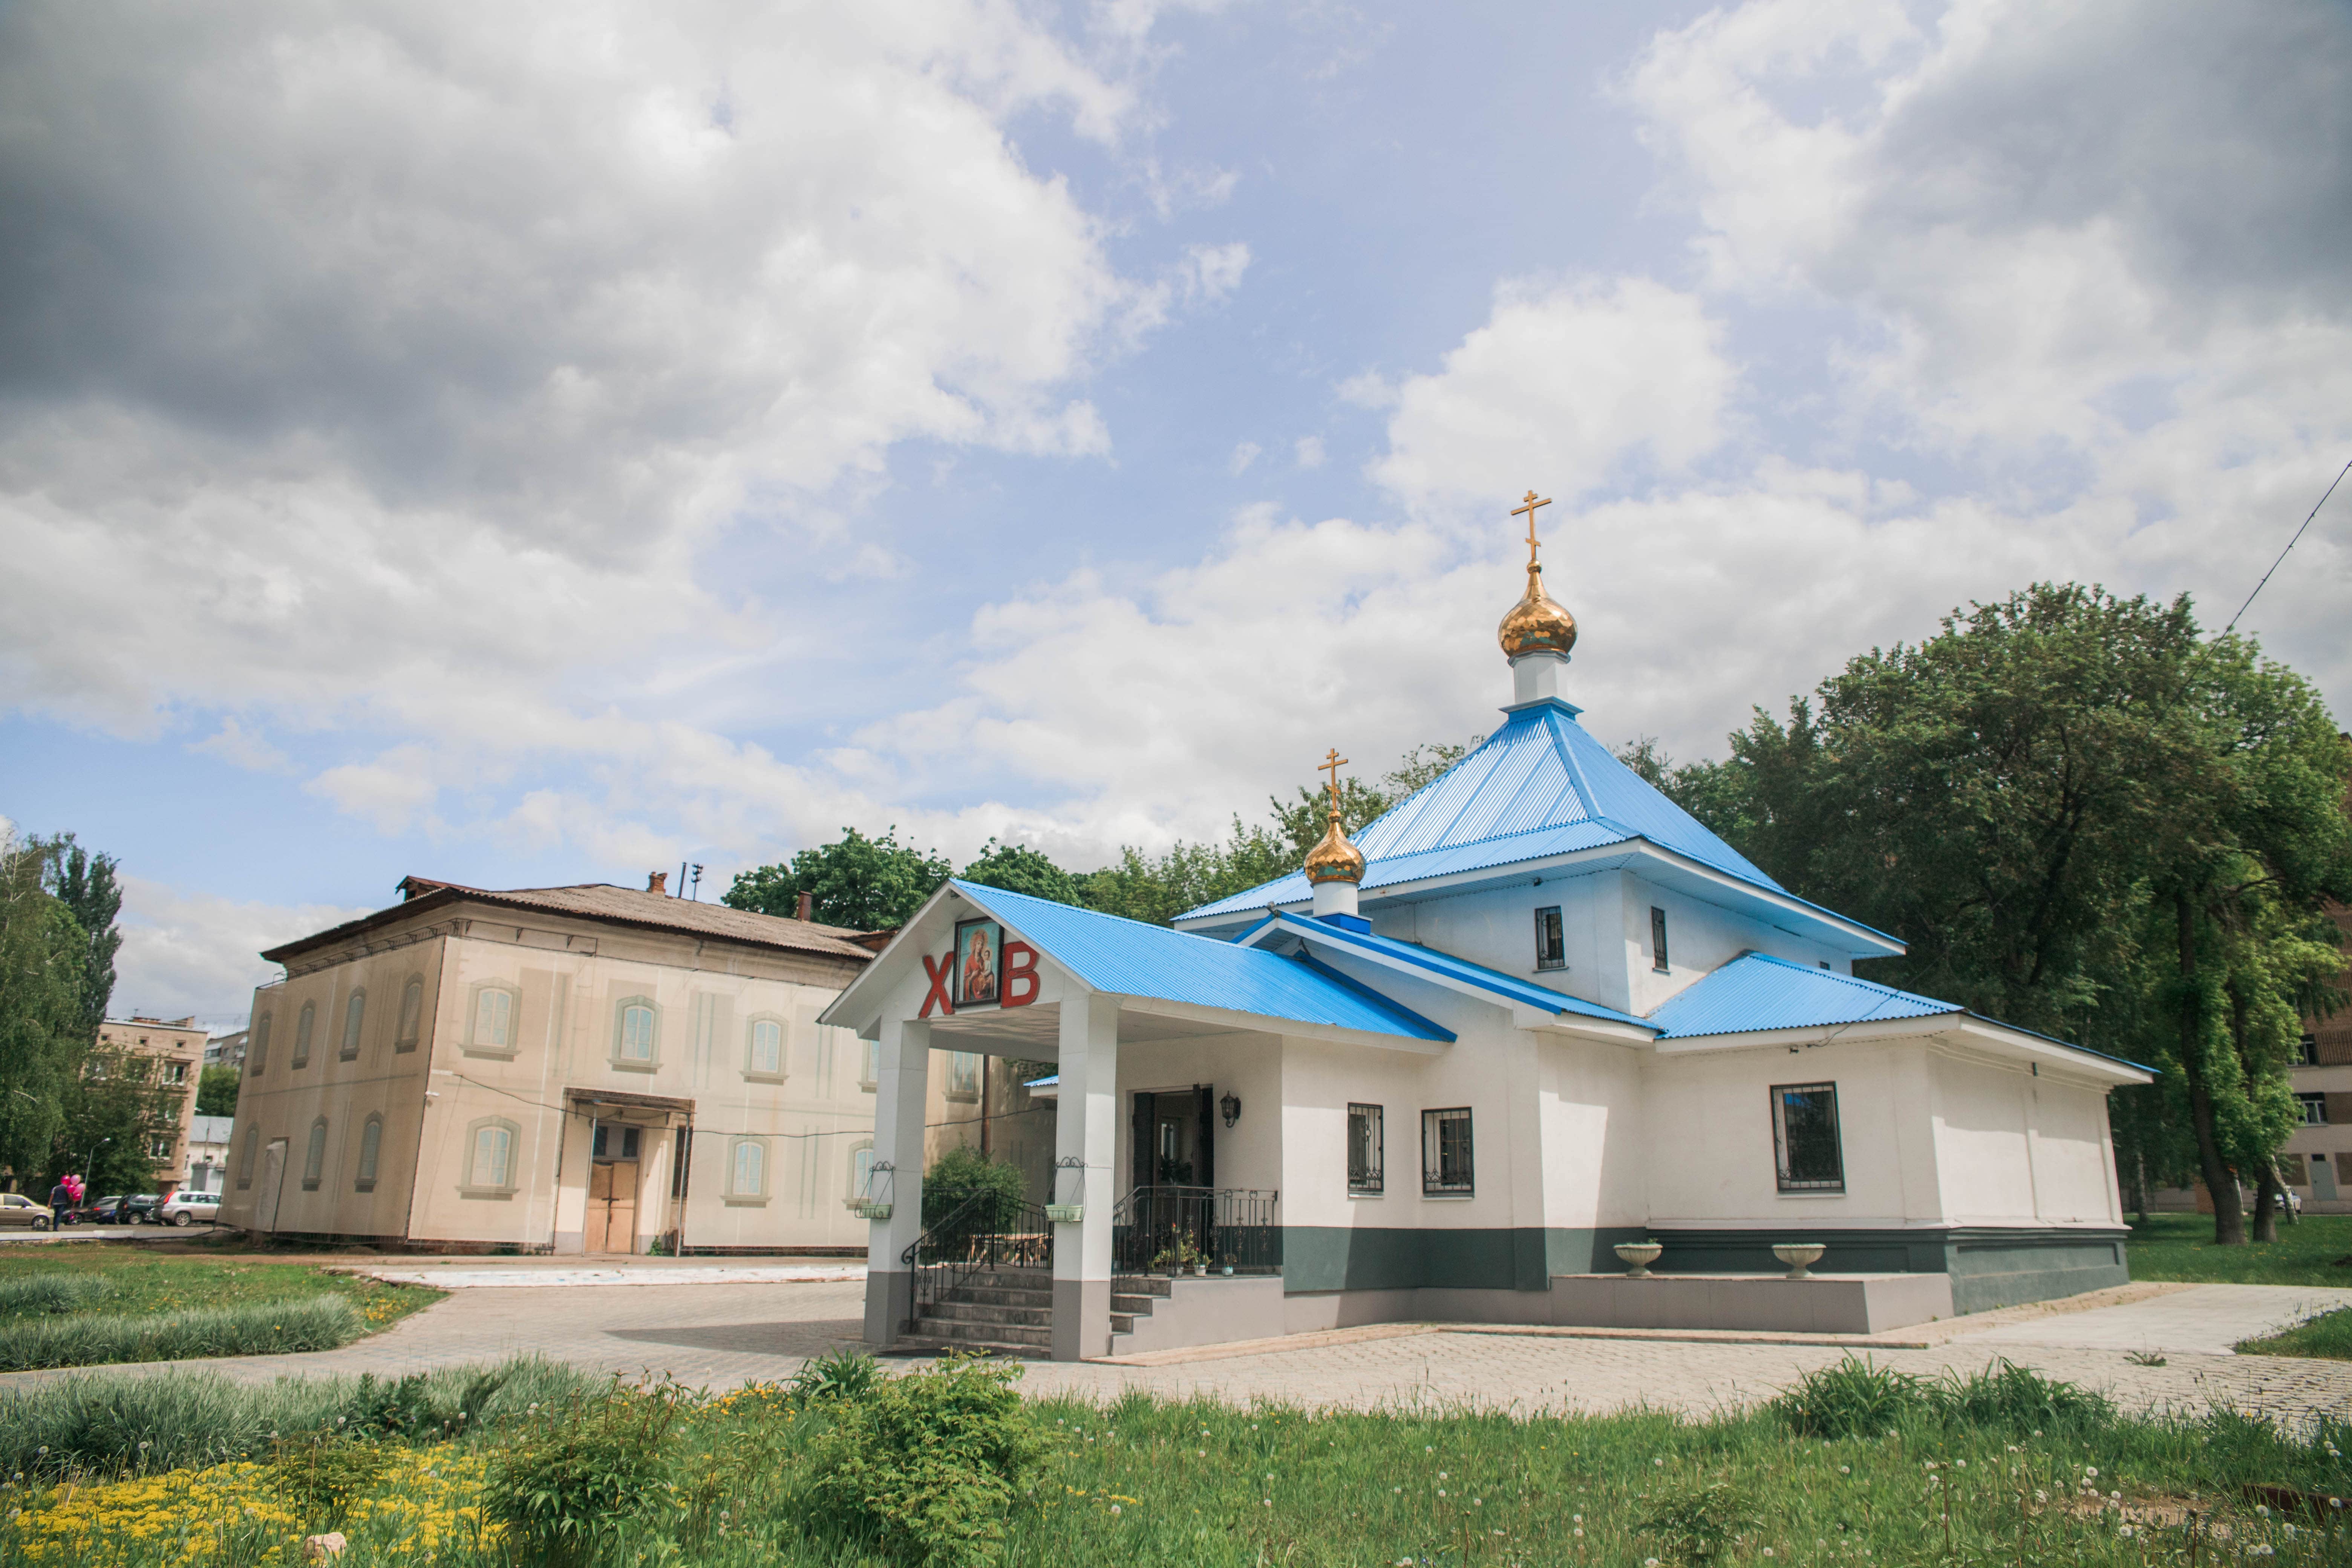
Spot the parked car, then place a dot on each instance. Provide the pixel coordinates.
(15, 1208)
(189, 1208)
(140, 1207)
(105, 1211)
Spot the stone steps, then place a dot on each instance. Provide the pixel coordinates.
(1010, 1311)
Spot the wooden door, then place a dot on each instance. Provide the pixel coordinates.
(612, 1223)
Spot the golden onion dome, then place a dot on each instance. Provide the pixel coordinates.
(1537, 623)
(1334, 859)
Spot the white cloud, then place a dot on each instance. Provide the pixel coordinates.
(1562, 386)
(193, 954)
(239, 747)
(1310, 451)
(1244, 456)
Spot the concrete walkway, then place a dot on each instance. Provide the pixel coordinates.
(723, 1334)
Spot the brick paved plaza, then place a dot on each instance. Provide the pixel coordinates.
(724, 1334)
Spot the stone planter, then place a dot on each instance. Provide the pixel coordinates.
(1065, 1214)
(1637, 1256)
(871, 1210)
(1800, 1256)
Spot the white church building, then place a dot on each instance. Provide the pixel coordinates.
(1532, 1012)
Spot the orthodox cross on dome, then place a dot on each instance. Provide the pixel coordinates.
(1331, 763)
(1530, 509)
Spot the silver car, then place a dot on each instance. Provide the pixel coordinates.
(15, 1208)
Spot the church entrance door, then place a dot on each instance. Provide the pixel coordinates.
(611, 1207)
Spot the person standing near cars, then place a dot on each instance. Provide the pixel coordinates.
(60, 1200)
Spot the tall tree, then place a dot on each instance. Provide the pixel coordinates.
(216, 1091)
(1017, 868)
(116, 1109)
(85, 883)
(42, 994)
(864, 884)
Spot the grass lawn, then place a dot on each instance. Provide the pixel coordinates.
(141, 1283)
(757, 1478)
(2180, 1246)
(2328, 1336)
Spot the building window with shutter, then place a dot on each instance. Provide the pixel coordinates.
(1365, 1147)
(371, 1148)
(1552, 941)
(314, 1155)
(1447, 1166)
(1805, 1138)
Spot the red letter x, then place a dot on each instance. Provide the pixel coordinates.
(939, 991)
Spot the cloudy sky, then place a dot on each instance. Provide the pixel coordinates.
(533, 444)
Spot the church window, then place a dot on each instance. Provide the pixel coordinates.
(371, 1153)
(2314, 1110)
(1552, 943)
(963, 1075)
(314, 1156)
(1805, 1138)
(1657, 938)
(1364, 1149)
(257, 1053)
(1446, 1167)
(303, 1024)
(354, 1013)
(412, 1014)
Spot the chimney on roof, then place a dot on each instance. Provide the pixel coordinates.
(657, 883)
(805, 909)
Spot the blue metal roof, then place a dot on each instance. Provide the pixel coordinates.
(1508, 986)
(1132, 959)
(1756, 991)
(1539, 786)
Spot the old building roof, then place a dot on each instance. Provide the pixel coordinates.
(602, 902)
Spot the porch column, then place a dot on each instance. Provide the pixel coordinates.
(1086, 1127)
(898, 1107)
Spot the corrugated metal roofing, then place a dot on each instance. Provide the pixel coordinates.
(1131, 959)
(1539, 785)
(1459, 969)
(1755, 991)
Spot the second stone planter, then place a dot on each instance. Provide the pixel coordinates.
(1637, 1256)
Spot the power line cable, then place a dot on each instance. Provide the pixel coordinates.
(2346, 468)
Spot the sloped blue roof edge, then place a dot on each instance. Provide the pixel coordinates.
(1428, 1029)
(1524, 992)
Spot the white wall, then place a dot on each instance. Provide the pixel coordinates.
(2015, 1148)
(1597, 1158)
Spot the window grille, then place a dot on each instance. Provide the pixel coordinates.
(1657, 938)
(1447, 1166)
(1365, 1149)
(1551, 942)
(1805, 1138)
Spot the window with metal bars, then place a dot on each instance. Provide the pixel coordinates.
(1805, 1138)
(1365, 1150)
(1447, 1169)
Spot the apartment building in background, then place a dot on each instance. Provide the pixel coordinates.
(172, 1052)
(572, 1069)
(2318, 1157)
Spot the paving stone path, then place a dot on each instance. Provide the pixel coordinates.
(724, 1334)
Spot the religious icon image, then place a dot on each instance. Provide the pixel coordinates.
(978, 946)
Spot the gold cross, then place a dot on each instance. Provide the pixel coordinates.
(1332, 762)
(1530, 509)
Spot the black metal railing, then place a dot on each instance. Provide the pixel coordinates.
(978, 1235)
(1162, 1229)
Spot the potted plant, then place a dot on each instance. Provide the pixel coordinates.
(1229, 1265)
(1179, 1255)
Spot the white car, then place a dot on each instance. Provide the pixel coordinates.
(189, 1208)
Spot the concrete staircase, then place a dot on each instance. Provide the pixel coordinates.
(1010, 1311)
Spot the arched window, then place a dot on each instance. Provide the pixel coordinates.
(763, 1050)
(861, 1176)
(371, 1147)
(747, 1169)
(314, 1155)
(637, 1034)
(412, 1014)
(355, 1011)
(490, 1158)
(252, 1158)
(303, 1025)
(256, 1049)
(491, 1022)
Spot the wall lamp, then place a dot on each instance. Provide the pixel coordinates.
(1232, 1106)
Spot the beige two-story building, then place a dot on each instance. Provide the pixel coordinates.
(593, 1068)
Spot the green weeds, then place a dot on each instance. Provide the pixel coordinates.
(261, 1328)
(2328, 1336)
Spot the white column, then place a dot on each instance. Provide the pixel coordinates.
(898, 1109)
(1086, 1129)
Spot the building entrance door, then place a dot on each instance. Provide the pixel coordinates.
(611, 1223)
(273, 1182)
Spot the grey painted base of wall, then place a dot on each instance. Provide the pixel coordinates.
(1988, 1266)
(1210, 1312)
(1081, 1318)
(1832, 1304)
(889, 1303)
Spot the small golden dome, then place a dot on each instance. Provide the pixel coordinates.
(1537, 623)
(1334, 859)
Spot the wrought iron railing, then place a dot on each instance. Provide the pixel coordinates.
(1152, 1229)
(980, 1235)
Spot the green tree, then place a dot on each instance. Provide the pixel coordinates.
(856, 882)
(85, 883)
(1018, 868)
(42, 994)
(115, 1108)
(216, 1091)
